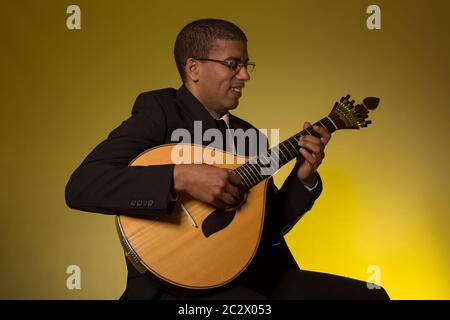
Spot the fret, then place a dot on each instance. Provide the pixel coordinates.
(329, 124)
(265, 168)
(323, 123)
(288, 147)
(244, 179)
(256, 169)
(266, 160)
(262, 163)
(293, 146)
(334, 125)
(248, 170)
(244, 183)
(313, 133)
(307, 131)
(282, 153)
(247, 176)
(285, 145)
(272, 156)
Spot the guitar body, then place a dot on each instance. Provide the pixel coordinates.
(181, 248)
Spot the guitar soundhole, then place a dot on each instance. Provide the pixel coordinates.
(217, 221)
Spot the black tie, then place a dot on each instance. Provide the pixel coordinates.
(222, 126)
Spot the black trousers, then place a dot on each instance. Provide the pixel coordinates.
(296, 284)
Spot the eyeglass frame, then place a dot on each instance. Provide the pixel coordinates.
(225, 63)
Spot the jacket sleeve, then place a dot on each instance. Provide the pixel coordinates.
(285, 206)
(292, 201)
(104, 182)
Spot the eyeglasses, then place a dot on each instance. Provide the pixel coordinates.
(233, 64)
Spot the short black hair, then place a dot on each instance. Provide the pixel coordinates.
(196, 39)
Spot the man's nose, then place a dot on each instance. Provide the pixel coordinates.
(243, 74)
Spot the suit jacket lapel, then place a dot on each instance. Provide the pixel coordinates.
(195, 110)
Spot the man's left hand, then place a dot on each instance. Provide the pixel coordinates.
(312, 150)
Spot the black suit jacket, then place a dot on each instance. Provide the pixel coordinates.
(104, 183)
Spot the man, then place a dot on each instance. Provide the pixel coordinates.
(212, 59)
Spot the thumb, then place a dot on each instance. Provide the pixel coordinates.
(306, 125)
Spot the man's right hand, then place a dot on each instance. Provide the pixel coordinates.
(206, 183)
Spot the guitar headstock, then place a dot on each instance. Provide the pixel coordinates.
(346, 115)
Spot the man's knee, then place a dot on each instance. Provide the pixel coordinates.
(379, 294)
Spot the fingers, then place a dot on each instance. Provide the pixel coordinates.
(314, 161)
(209, 184)
(232, 190)
(227, 198)
(220, 204)
(313, 145)
(230, 193)
(325, 136)
(312, 148)
(306, 125)
(234, 178)
(227, 193)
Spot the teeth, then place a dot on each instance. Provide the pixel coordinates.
(236, 89)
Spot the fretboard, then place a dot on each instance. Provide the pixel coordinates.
(266, 164)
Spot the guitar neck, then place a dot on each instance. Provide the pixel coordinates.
(257, 169)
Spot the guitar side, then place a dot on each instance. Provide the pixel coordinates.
(176, 249)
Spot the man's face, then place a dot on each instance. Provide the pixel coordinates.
(219, 87)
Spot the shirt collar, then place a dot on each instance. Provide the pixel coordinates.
(226, 118)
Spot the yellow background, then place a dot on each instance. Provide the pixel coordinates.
(384, 201)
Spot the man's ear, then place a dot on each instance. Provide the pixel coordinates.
(192, 70)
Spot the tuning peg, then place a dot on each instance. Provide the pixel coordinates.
(362, 115)
(352, 102)
(368, 122)
(361, 108)
(345, 99)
